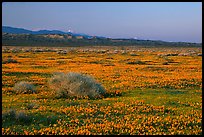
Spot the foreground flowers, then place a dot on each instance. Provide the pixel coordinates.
(143, 99)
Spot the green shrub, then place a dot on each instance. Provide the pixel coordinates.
(9, 60)
(75, 85)
(16, 117)
(24, 88)
(133, 54)
(9, 114)
(138, 62)
(21, 116)
(165, 63)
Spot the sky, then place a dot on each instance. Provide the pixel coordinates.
(167, 21)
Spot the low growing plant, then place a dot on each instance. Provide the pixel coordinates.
(75, 84)
(24, 88)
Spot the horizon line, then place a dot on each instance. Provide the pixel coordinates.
(102, 36)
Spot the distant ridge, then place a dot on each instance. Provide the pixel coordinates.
(21, 37)
(12, 30)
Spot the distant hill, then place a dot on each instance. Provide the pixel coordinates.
(15, 30)
(7, 29)
(22, 37)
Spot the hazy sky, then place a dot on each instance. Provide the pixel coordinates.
(168, 21)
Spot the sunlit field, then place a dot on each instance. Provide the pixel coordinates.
(150, 91)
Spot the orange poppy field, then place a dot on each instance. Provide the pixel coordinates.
(151, 91)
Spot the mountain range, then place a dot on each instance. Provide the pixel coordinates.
(12, 30)
(21, 37)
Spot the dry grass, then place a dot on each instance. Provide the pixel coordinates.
(75, 84)
(24, 88)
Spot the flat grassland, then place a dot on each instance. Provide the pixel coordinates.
(151, 91)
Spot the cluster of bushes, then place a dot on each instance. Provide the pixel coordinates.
(66, 86)
(63, 86)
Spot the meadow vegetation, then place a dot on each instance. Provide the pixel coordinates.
(75, 84)
(23, 87)
(116, 91)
